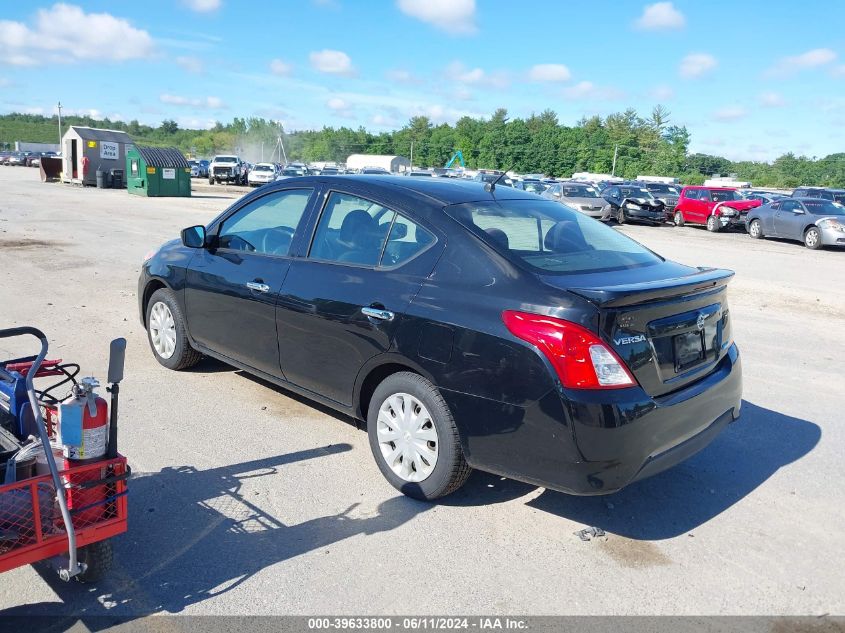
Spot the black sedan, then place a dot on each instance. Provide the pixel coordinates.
(468, 327)
(632, 202)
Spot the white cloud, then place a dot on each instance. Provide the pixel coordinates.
(280, 67)
(191, 123)
(212, 103)
(589, 90)
(838, 71)
(453, 16)
(549, 72)
(191, 64)
(771, 99)
(459, 73)
(203, 6)
(332, 62)
(697, 65)
(811, 59)
(456, 71)
(383, 120)
(402, 76)
(730, 113)
(336, 103)
(662, 93)
(65, 33)
(660, 15)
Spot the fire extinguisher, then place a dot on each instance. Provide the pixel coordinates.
(84, 423)
(85, 162)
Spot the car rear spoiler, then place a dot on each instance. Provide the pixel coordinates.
(631, 294)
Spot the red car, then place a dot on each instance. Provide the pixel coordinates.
(715, 207)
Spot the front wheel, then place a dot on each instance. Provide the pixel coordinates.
(620, 215)
(713, 224)
(678, 218)
(211, 181)
(167, 333)
(755, 229)
(813, 238)
(414, 439)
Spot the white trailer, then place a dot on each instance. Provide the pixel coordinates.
(666, 180)
(393, 164)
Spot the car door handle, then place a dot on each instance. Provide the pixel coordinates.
(257, 286)
(378, 313)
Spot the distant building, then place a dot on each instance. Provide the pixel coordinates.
(86, 150)
(23, 146)
(393, 164)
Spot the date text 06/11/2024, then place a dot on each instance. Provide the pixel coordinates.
(478, 623)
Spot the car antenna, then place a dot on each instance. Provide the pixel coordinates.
(490, 187)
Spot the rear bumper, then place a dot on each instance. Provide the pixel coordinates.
(592, 443)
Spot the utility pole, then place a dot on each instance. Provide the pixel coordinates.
(412, 154)
(60, 125)
(613, 169)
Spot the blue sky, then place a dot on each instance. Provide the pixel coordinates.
(751, 80)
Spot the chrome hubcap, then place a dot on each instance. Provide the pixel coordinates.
(812, 238)
(162, 330)
(755, 229)
(407, 437)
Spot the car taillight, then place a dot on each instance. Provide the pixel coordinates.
(580, 358)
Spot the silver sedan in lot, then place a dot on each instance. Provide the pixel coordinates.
(814, 221)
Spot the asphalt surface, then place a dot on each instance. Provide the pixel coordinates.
(249, 500)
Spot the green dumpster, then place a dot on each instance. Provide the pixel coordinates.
(157, 171)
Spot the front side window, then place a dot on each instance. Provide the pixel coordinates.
(551, 237)
(265, 225)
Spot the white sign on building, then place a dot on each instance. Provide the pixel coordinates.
(108, 150)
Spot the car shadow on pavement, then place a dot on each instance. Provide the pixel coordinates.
(196, 534)
(678, 500)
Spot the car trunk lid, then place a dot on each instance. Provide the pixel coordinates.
(670, 331)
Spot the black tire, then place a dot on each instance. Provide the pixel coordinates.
(678, 218)
(713, 224)
(813, 238)
(619, 215)
(755, 229)
(98, 558)
(184, 355)
(451, 469)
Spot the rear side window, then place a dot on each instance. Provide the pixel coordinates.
(550, 237)
(691, 194)
(265, 225)
(354, 230)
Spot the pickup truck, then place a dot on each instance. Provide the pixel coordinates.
(226, 169)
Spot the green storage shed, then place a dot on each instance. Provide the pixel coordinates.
(157, 171)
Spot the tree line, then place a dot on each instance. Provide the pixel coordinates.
(625, 142)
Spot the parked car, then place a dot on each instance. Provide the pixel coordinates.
(420, 173)
(374, 171)
(814, 221)
(834, 195)
(16, 159)
(261, 174)
(289, 172)
(467, 328)
(632, 203)
(577, 195)
(498, 178)
(665, 192)
(715, 207)
(765, 197)
(531, 186)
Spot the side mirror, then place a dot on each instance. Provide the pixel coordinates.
(194, 236)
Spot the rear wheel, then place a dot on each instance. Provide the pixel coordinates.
(813, 238)
(414, 439)
(755, 229)
(678, 218)
(211, 181)
(713, 224)
(167, 333)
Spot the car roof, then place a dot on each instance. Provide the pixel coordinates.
(443, 191)
(708, 188)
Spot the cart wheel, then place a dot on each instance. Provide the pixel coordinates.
(98, 560)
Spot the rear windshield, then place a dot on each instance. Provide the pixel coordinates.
(580, 191)
(550, 237)
(824, 207)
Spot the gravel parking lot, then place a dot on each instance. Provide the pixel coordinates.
(249, 500)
